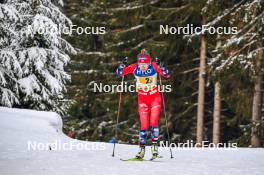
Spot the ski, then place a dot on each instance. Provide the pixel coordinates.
(133, 159)
(155, 158)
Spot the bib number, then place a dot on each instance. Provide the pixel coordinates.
(145, 80)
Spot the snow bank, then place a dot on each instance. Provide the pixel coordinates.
(18, 126)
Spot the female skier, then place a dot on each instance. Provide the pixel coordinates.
(149, 98)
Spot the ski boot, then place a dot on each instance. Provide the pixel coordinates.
(141, 153)
(139, 156)
(154, 137)
(154, 150)
(142, 143)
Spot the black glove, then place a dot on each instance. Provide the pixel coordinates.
(162, 66)
(125, 61)
(157, 60)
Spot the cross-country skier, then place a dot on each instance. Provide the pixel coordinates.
(149, 98)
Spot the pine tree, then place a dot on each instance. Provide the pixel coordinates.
(213, 13)
(10, 68)
(242, 54)
(42, 54)
(217, 106)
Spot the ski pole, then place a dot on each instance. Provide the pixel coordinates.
(117, 118)
(166, 120)
(119, 108)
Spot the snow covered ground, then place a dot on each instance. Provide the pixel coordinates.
(18, 127)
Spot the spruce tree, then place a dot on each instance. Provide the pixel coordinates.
(41, 53)
(10, 68)
(241, 56)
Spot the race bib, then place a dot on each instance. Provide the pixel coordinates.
(145, 80)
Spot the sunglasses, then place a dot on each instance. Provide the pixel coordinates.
(143, 65)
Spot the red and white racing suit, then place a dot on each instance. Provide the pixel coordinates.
(149, 98)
